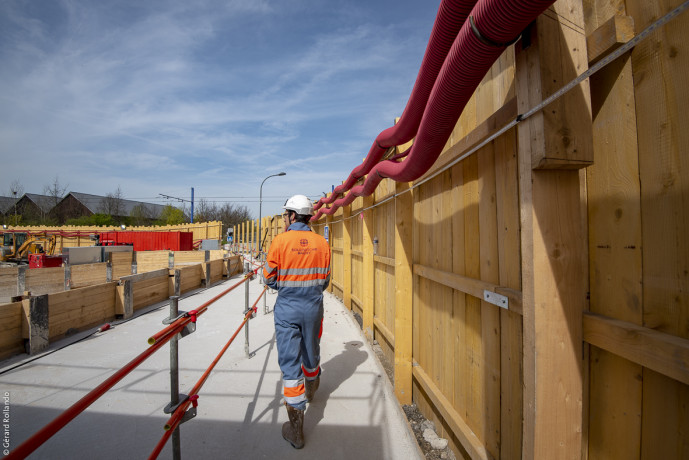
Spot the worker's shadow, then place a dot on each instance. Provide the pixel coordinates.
(334, 372)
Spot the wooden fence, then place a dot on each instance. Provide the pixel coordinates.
(533, 295)
(82, 296)
(76, 236)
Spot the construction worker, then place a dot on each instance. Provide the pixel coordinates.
(298, 267)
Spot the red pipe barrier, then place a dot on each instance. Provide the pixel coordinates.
(183, 321)
(35, 441)
(498, 21)
(451, 15)
(176, 417)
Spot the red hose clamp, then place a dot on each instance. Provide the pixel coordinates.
(255, 309)
(192, 314)
(194, 400)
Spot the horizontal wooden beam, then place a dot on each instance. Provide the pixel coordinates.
(357, 253)
(357, 301)
(614, 33)
(470, 286)
(384, 260)
(147, 275)
(384, 331)
(336, 284)
(334, 249)
(658, 351)
(471, 443)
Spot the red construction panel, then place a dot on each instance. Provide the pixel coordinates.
(150, 241)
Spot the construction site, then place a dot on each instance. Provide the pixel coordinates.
(510, 260)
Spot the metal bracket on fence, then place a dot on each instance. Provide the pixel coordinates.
(496, 299)
(171, 407)
(188, 329)
(188, 415)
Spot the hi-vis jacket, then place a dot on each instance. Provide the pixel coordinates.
(298, 266)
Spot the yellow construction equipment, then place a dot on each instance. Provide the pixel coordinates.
(17, 246)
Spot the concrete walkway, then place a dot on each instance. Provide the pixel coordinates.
(354, 414)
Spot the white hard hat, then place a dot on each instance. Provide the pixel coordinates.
(299, 204)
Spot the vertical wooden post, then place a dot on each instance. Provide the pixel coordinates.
(553, 242)
(369, 275)
(404, 221)
(347, 256)
(328, 222)
(124, 305)
(254, 231)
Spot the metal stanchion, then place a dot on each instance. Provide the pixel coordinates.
(265, 304)
(176, 399)
(246, 310)
(174, 379)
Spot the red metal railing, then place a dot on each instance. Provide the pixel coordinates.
(157, 341)
(178, 414)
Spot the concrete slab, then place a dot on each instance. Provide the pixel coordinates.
(353, 415)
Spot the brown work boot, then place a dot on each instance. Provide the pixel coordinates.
(293, 431)
(311, 387)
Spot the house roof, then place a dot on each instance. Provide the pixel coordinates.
(6, 203)
(94, 204)
(44, 202)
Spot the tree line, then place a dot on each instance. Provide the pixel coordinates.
(111, 211)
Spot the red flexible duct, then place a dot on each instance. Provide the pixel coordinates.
(498, 21)
(451, 15)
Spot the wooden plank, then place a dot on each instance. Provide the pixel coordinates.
(404, 222)
(368, 268)
(11, 336)
(389, 261)
(88, 274)
(664, 353)
(507, 200)
(460, 428)
(470, 286)
(86, 294)
(490, 316)
(346, 286)
(660, 67)
(338, 286)
(615, 242)
(139, 277)
(474, 397)
(384, 331)
(614, 33)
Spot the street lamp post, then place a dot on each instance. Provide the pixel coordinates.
(260, 204)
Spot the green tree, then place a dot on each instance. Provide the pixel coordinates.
(171, 216)
(95, 219)
(140, 215)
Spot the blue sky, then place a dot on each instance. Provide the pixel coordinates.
(161, 96)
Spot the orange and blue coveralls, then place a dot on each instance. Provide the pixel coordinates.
(298, 266)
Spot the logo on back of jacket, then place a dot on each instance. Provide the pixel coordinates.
(304, 248)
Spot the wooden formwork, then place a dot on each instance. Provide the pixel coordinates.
(80, 309)
(578, 217)
(11, 336)
(88, 274)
